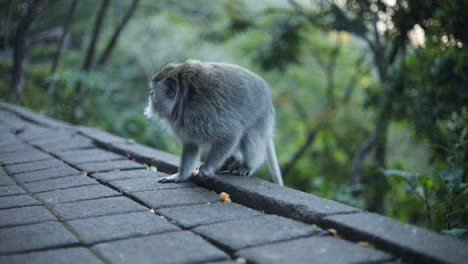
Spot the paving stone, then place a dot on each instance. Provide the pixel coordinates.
(202, 214)
(313, 250)
(34, 237)
(17, 201)
(2, 172)
(275, 199)
(35, 116)
(254, 231)
(111, 227)
(165, 162)
(122, 175)
(77, 255)
(100, 135)
(46, 174)
(174, 247)
(147, 184)
(412, 243)
(23, 156)
(176, 197)
(98, 207)
(10, 190)
(110, 165)
(33, 166)
(38, 133)
(59, 183)
(87, 155)
(5, 180)
(24, 215)
(14, 147)
(57, 137)
(72, 143)
(77, 194)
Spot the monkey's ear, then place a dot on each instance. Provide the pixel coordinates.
(171, 87)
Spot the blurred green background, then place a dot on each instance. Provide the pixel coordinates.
(371, 95)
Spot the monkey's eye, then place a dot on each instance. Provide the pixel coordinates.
(171, 87)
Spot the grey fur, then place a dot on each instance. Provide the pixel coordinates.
(221, 107)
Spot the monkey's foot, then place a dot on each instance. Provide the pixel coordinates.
(204, 172)
(243, 170)
(173, 178)
(230, 165)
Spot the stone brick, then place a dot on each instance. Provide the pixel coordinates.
(76, 142)
(100, 135)
(122, 175)
(110, 165)
(14, 147)
(10, 190)
(46, 174)
(111, 227)
(17, 201)
(313, 250)
(5, 180)
(24, 215)
(87, 155)
(254, 231)
(34, 237)
(165, 162)
(176, 197)
(147, 184)
(174, 247)
(98, 207)
(59, 183)
(37, 133)
(412, 243)
(77, 194)
(77, 255)
(275, 199)
(23, 156)
(33, 166)
(203, 214)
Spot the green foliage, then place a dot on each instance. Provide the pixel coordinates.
(324, 82)
(443, 195)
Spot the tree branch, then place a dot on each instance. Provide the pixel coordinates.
(19, 50)
(113, 40)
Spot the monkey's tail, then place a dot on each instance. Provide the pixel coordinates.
(273, 163)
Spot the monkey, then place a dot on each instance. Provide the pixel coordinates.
(219, 107)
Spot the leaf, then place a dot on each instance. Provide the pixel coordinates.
(459, 233)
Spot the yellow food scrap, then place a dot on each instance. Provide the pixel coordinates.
(364, 244)
(195, 172)
(332, 231)
(241, 260)
(224, 197)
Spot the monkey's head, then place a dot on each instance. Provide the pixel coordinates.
(164, 93)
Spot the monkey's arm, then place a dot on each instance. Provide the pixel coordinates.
(190, 154)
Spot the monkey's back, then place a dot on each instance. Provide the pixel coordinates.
(223, 99)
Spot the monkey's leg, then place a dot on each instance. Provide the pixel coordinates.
(190, 154)
(253, 146)
(232, 164)
(218, 154)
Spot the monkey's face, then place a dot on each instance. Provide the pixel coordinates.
(162, 99)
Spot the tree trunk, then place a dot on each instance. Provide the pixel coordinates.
(113, 41)
(19, 50)
(88, 62)
(66, 26)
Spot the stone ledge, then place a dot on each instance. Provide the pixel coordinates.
(275, 199)
(412, 243)
(394, 237)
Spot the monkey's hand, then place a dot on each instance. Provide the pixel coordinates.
(204, 172)
(173, 178)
